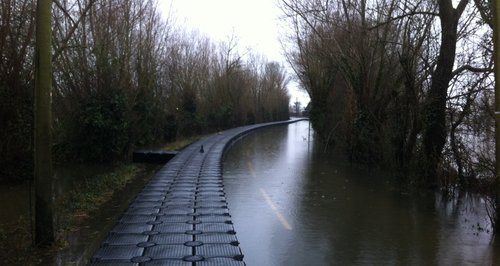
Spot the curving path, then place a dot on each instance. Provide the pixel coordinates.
(181, 217)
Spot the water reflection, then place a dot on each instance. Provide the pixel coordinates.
(340, 215)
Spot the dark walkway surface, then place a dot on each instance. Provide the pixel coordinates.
(181, 217)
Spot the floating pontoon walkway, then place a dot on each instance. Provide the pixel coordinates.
(181, 217)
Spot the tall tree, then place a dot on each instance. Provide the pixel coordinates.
(44, 228)
(435, 106)
(496, 41)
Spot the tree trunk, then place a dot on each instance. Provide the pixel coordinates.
(44, 228)
(496, 40)
(435, 106)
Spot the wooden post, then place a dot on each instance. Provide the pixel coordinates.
(44, 227)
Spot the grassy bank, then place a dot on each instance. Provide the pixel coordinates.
(84, 215)
(182, 143)
(78, 209)
(88, 196)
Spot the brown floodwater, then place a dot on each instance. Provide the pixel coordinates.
(292, 204)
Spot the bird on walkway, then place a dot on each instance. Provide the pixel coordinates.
(201, 149)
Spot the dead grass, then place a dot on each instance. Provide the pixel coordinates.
(75, 209)
(182, 143)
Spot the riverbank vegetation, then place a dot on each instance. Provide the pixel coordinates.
(92, 192)
(83, 207)
(89, 201)
(407, 85)
(125, 77)
(403, 85)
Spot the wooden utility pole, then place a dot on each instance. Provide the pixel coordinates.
(44, 227)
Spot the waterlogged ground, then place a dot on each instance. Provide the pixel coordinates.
(294, 205)
(78, 239)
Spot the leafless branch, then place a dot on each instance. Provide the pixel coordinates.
(392, 19)
(471, 69)
(64, 42)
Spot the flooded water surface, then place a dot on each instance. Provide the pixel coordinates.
(292, 204)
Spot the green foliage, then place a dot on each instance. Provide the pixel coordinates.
(103, 128)
(365, 147)
(148, 120)
(320, 116)
(16, 149)
(190, 123)
(90, 193)
(224, 116)
(170, 129)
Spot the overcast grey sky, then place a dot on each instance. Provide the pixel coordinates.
(255, 23)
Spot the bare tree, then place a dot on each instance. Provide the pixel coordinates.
(123, 77)
(381, 77)
(435, 106)
(496, 12)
